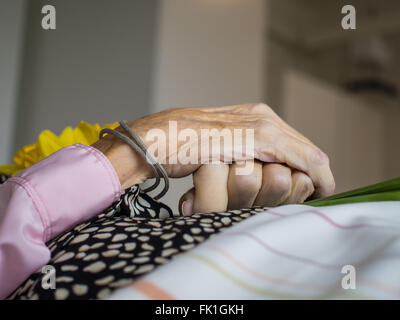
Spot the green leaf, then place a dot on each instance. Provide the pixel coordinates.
(381, 196)
(384, 191)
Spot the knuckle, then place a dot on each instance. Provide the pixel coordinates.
(261, 108)
(248, 184)
(306, 186)
(281, 184)
(318, 157)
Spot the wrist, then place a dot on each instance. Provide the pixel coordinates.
(130, 167)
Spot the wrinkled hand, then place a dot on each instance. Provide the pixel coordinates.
(289, 167)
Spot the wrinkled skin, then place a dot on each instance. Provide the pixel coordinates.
(289, 168)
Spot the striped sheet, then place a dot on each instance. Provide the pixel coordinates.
(289, 252)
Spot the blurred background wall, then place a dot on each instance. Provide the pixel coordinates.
(339, 87)
(96, 66)
(12, 31)
(110, 60)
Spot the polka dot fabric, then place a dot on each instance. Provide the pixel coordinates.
(121, 244)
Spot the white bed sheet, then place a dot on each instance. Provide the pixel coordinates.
(289, 252)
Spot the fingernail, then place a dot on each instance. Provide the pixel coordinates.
(186, 208)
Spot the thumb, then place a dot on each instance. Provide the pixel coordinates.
(186, 203)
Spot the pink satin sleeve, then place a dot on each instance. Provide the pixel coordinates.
(70, 186)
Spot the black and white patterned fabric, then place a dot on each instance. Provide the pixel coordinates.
(3, 178)
(129, 239)
(135, 203)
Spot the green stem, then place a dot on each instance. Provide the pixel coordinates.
(381, 196)
(386, 186)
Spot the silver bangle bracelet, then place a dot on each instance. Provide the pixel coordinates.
(138, 145)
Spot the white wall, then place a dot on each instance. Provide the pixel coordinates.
(209, 52)
(12, 21)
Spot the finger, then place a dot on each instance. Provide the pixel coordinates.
(297, 155)
(210, 183)
(276, 185)
(297, 151)
(243, 189)
(186, 203)
(318, 169)
(302, 187)
(275, 141)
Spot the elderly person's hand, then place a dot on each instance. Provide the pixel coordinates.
(288, 168)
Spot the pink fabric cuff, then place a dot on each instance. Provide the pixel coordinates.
(70, 186)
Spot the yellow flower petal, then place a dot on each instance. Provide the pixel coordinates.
(9, 169)
(49, 143)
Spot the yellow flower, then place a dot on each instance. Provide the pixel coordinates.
(49, 143)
